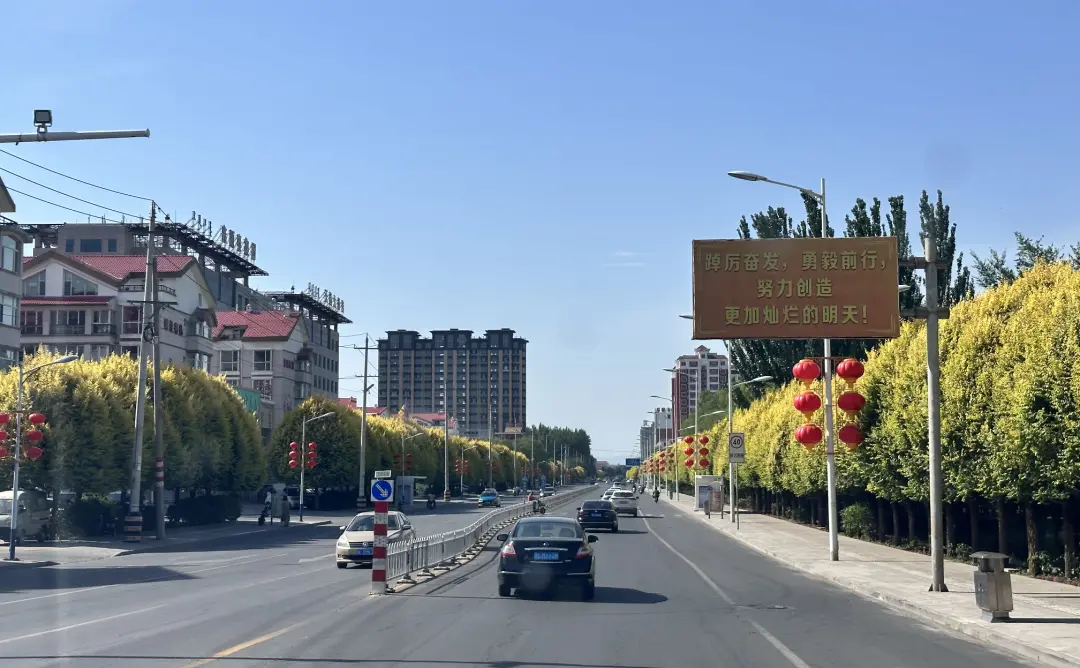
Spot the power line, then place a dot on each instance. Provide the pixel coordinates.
(66, 208)
(86, 183)
(61, 192)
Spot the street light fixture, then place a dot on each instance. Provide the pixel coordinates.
(18, 447)
(303, 455)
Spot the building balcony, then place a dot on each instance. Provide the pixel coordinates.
(67, 330)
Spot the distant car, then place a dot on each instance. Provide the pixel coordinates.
(489, 497)
(625, 501)
(357, 541)
(598, 515)
(543, 552)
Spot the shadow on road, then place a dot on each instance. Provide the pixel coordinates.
(275, 537)
(79, 578)
(617, 595)
(141, 660)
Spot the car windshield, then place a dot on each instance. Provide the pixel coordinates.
(362, 523)
(489, 492)
(547, 530)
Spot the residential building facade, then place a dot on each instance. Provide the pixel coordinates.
(91, 305)
(479, 381)
(704, 371)
(321, 320)
(12, 239)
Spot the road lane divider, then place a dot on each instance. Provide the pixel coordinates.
(784, 650)
(225, 653)
(69, 627)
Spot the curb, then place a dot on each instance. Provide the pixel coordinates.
(26, 564)
(156, 547)
(1014, 646)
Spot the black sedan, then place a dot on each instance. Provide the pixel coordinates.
(543, 552)
(598, 515)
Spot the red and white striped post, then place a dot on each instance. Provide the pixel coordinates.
(378, 553)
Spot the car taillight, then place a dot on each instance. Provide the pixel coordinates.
(508, 550)
(583, 551)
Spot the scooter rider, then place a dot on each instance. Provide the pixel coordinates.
(656, 495)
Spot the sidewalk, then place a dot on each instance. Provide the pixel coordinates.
(1045, 624)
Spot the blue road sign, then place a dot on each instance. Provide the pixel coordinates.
(633, 461)
(381, 490)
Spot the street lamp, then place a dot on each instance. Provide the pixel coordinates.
(830, 455)
(304, 455)
(734, 484)
(18, 446)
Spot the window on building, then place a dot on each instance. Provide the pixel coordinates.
(103, 322)
(230, 360)
(68, 322)
(32, 322)
(112, 245)
(264, 359)
(100, 351)
(77, 285)
(9, 309)
(35, 285)
(69, 245)
(265, 387)
(8, 357)
(11, 259)
(89, 245)
(132, 320)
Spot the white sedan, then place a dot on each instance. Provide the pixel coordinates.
(355, 546)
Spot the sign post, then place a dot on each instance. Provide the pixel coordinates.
(381, 493)
(736, 452)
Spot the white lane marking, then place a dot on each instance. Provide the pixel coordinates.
(84, 590)
(61, 629)
(791, 656)
(311, 559)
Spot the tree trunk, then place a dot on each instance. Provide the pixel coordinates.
(911, 535)
(1003, 536)
(948, 525)
(1068, 536)
(881, 503)
(1032, 528)
(973, 520)
(895, 522)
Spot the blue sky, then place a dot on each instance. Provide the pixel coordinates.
(545, 165)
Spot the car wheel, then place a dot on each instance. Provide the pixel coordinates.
(614, 528)
(635, 513)
(342, 564)
(504, 590)
(589, 591)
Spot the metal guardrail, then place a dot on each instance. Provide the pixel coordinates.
(438, 551)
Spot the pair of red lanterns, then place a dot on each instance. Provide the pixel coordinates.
(808, 402)
(294, 455)
(33, 434)
(696, 457)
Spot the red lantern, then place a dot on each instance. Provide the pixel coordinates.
(3, 435)
(807, 403)
(663, 467)
(311, 463)
(704, 440)
(688, 440)
(703, 463)
(3, 452)
(850, 370)
(808, 434)
(851, 402)
(293, 463)
(704, 452)
(688, 451)
(33, 453)
(689, 463)
(806, 371)
(311, 447)
(851, 435)
(4, 417)
(34, 435)
(37, 418)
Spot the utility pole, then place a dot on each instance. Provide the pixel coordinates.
(133, 521)
(159, 407)
(491, 452)
(361, 493)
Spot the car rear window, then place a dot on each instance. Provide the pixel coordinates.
(624, 495)
(596, 505)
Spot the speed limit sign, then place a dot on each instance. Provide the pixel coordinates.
(736, 447)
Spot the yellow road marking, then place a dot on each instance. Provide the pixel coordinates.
(242, 646)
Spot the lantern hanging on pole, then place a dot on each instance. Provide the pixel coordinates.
(703, 463)
(704, 452)
(4, 417)
(806, 371)
(807, 403)
(851, 403)
(850, 370)
(34, 435)
(33, 453)
(3, 452)
(688, 440)
(851, 435)
(704, 440)
(808, 435)
(37, 418)
(689, 463)
(688, 450)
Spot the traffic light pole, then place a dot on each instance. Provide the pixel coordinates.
(303, 461)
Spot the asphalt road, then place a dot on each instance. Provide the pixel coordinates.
(670, 594)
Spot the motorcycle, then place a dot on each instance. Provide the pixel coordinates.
(656, 496)
(431, 502)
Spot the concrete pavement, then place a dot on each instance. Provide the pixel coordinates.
(1045, 624)
(669, 595)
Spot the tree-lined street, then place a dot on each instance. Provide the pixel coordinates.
(668, 595)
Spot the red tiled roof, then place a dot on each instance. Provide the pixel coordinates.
(80, 300)
(428, 417)
(122, 266)
(348, 402)
(260, 324)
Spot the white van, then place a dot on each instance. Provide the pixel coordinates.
(34, 515)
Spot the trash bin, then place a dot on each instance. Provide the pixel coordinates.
(993, 586)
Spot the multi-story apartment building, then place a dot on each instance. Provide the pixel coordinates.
(91, 305)
(12, 239)
(266, 351)
(478, 381)
(663, 426)
(704, 371)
